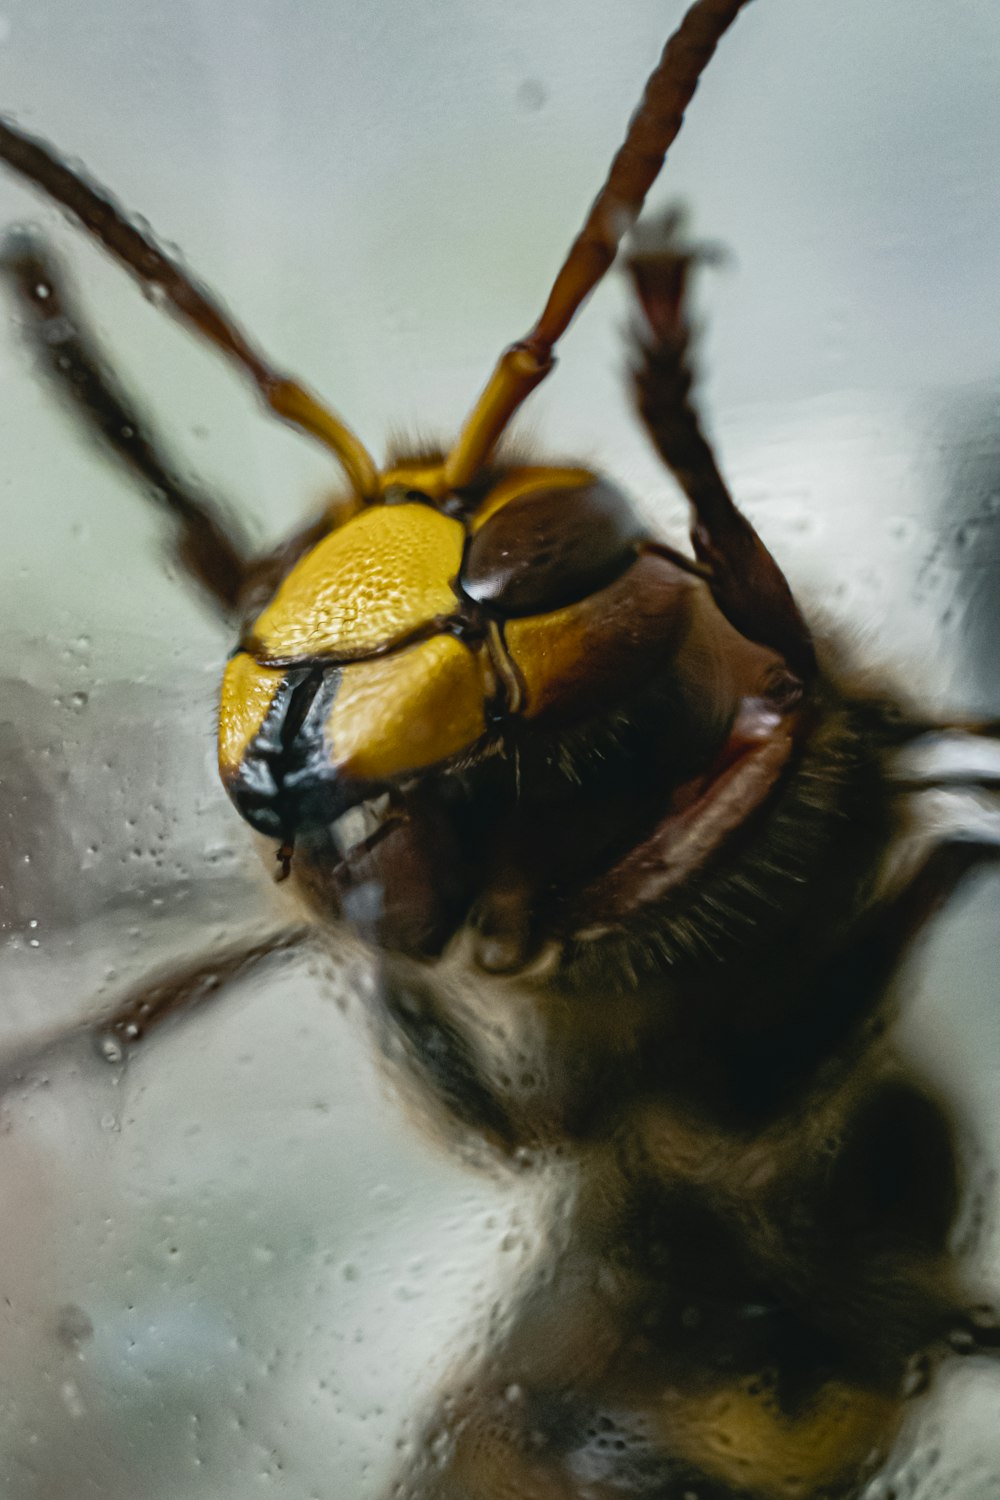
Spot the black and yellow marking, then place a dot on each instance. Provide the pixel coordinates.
(432, 631)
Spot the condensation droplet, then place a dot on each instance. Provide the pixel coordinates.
(74, 1326)
(110, 1048)
(72, 1400)
(532, 95)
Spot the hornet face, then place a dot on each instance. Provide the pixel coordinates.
(448, 693)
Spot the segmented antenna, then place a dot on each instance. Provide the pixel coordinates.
(615, 209)
(98, 213)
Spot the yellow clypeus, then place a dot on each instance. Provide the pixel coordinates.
(248, 691)
(403, 712)
(371, 583)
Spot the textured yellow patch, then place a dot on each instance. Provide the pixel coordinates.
(741, 1435)
(403, 712)
(526, 481)
(549, 652)
(247, 693)
(383, 574)
(585, 657)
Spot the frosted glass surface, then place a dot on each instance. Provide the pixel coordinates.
(233, 1267)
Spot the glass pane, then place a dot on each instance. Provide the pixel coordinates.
(238, 1261)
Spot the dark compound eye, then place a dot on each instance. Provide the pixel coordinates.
(551, 548)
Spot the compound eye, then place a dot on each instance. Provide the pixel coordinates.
(551, 548)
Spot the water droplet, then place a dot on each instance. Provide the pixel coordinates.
(72, 1400)
(110, 1048)
(532, 95)
(74, 1326)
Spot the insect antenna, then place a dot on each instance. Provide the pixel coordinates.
(635, 168)
(206, 546)
(102, 218)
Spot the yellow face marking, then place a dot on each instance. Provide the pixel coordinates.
(604, 645)
(403, 712)
(427, 478)
(247, 693)
(383, 574)
(549, 652)
(741, 1435)
(526, 481)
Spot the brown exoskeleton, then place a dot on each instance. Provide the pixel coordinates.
(620, 832)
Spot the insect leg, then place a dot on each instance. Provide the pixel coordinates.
(69, 354)
(155, 1000)
(895, 924)
(414, 1027)
(849, 986)
(936, 756)
(178, 991)
(136, 250)
(745, 580)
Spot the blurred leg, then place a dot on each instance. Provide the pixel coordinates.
(138, 252)
(69, 354)
(746, 582)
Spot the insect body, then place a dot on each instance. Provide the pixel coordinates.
(617, 832)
